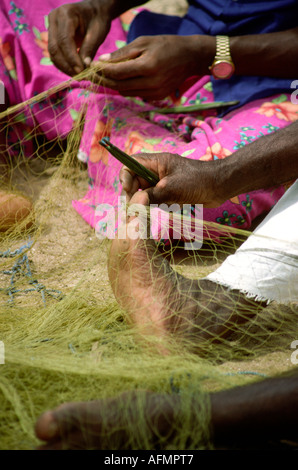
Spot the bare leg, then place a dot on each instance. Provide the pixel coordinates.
(163, 303)
(251, 416)
(115, 423)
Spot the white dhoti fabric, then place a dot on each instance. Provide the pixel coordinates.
(265, 267)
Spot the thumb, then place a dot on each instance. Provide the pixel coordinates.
(124, 53)
(140, 197)
(158, 194)
(95, 35)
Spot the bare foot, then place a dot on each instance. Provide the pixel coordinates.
(14, 209)
(134, 420)
(246, 417)
(164, 304)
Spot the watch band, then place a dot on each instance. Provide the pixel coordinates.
(223, 51)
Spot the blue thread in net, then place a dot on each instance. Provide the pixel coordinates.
(22, 268)
(246, 372)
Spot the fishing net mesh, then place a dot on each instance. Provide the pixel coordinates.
(66, 338)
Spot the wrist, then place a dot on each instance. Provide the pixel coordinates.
(233, 175)
(212, 176)
(103, 8)
(203, 50)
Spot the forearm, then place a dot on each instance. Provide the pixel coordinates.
(270, 161)
(261, 411)
(270, 55)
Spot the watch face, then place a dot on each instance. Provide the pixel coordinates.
(223, 70)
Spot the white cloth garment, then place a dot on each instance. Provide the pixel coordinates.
(265, 267)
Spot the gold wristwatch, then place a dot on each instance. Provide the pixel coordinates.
(222, 67)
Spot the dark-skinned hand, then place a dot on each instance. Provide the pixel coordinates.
(153, 67)
(82, 26)
(182, 180)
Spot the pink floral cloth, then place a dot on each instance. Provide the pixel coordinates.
(130, 123)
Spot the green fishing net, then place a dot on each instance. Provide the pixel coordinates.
(65, 338)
